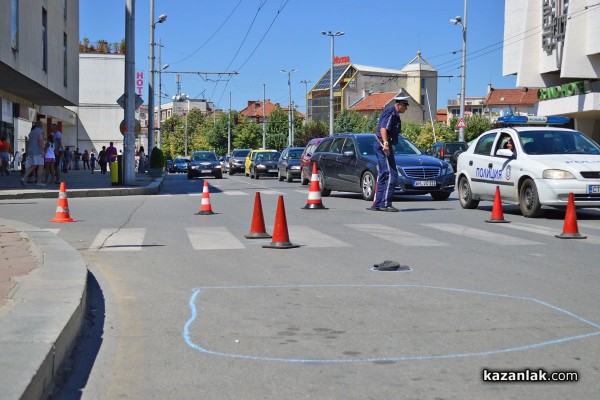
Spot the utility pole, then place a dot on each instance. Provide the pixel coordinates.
(290, 111)
(129, 136)
(264, 122)
(306, 82)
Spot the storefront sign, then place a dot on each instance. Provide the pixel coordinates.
(566, 90)
(139, 82)
(341, 60)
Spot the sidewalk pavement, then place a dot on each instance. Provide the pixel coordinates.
(43, 285)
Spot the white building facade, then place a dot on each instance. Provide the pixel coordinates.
(39, 72)
(555, 46)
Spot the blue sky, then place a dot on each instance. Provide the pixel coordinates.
(259, 38)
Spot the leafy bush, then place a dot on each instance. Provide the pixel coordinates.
(157, 158)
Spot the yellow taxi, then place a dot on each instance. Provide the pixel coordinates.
(261, 162)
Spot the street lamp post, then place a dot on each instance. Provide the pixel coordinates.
(463, 23)
(159, 114)
(290, 110)
(306, 82)
(332, 35)
(153, 23)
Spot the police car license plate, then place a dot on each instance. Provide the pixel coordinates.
(593, 189)
(272, 170)
(424, 183)
(206, 171)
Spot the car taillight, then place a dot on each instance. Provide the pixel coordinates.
(441, 152)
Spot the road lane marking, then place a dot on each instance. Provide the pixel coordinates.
(306, 236)
(212, 238)
(480, 234)
(126, 239)
(397, 236)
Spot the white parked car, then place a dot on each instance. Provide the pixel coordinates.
(546, 164)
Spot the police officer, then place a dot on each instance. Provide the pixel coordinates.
(386, 136)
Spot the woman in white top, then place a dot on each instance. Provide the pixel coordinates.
(49, 159)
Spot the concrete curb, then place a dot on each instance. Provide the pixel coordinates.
(152, 188)
(38, 331)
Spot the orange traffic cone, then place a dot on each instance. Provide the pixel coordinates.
(257, 230)
(205, 208)
(62, 206)
(497, 214)
(570, 229)
(314, 192)
(281, 239)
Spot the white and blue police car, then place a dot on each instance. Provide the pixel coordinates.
(545, 165)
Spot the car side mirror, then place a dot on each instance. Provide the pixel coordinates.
(505, 153)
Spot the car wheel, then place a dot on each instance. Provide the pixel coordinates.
(465, 196)
(367, 183)
(324, 191)
(288, 177)
(190, 176)
(255, 174)
(279, 176)
(230, 172)
(529, 201)
(219, 175)
(440, 196)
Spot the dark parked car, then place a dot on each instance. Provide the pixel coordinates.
(289, 164)
(180, 165)
(305, 164)
(203, 163)
(263, 162)
(237, 160)
(448, 151)
(347, 162)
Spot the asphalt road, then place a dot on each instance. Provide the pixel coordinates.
(183, 306)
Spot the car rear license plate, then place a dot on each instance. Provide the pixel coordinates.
(593, 189)
(206, 171)
(272, 170)
(424, 183)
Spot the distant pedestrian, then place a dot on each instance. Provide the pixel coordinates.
(16, 160)
(58, 150)
(76, 159)
(102, 160)
(111, 153)
(92, 162)
(49, 159)
(35, 149)
(5, 152)
(142, 160)
(85, 158)
(23, 161)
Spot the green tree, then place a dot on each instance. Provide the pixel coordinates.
(350, 121)
(277, 129)
(309, 131)
(372, 122)
(248, 135)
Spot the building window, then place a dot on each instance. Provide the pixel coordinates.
(422, 83)
(14, 25)
(44, 40)
(476, 111)
(65, 58)
(168, 113)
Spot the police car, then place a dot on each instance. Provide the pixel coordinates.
(545, 165)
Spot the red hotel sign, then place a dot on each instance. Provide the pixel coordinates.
(341, 60)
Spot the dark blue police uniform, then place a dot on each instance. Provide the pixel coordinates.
(387, 174)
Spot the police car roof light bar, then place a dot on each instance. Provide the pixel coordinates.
(532, 120)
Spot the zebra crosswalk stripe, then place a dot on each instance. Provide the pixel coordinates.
(307, 236)
(126, 239)
(213, 238)
(397, 236)
(541, 230)
(480, 234)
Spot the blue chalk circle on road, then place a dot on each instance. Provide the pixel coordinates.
(197, 291)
